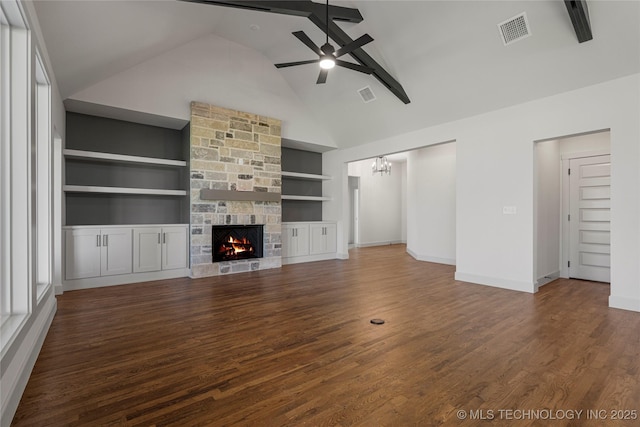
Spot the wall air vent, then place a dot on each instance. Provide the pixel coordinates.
(366, 94)
(514, 29)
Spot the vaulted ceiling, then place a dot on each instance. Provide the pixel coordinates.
(447, 55)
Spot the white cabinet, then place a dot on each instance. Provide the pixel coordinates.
(159, 248)
(295, 240)
(94, 252)
(323, 238)
(308, 241)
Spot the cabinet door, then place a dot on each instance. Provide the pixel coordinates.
(174, 248)
(116, 256)
(82, 253)
(331, 240)
(302, 240)
(318, 241)
(147, 249)
(295, 240)
(288, 235)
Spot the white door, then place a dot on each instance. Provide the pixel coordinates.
(331, 237)
(82, 253)
(589, 207)
(147, 249)
(174, 247)
(116, 251)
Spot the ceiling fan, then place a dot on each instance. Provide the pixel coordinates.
(328, 55)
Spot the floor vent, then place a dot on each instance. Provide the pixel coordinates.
(514, 29)
(366, 94)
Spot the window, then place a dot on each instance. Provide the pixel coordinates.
(17, 288)
(42, 178)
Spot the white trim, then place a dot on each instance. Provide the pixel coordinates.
(582, 154)
(624, 303)
(80, 227)
(341, 255)
(16, 371)
(94, 155)
(305, 176)
(496, 282)
(122, 279)
(434, 259)
(547, 278)
(384, 243)
(122, 190)
(309, 258)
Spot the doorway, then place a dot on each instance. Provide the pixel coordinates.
(354, 208)
(571, 231)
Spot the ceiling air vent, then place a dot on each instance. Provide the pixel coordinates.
(366, 94)
(514, 29)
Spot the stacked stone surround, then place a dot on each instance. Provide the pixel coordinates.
(236, 151)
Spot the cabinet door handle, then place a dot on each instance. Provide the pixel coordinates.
(158, 238)
(164, 237)
(98, 240)
(105, 240)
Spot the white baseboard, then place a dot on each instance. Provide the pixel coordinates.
(496, 282)
(428, 258)
(122, 279)
(16, 371)
(341, 255)
(308, 258)
(624, 303)
(58, 289)
(385, 243)
(547, 278)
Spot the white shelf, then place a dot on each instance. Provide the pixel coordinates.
(305, 176)
(309, 198)
(122, 190)
(95, 155)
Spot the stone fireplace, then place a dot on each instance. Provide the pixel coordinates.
(235, 180)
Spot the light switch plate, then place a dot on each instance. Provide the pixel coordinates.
(509, 210)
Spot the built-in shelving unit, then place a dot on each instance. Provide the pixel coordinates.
(302, 180)
(118, 172)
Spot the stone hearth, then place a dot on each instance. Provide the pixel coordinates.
(234, 151)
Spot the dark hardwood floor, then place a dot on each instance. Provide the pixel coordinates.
(294, 347)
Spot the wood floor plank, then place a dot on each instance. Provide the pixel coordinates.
(294, 346)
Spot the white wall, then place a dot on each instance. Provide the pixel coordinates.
(495, 168)
(431, 203)
(380, 204)
(548, 232)
(212, 70)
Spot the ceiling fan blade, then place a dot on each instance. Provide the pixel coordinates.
(293, 64)
(307, 41)
(360, 41)
(322, 77)
(355, 67)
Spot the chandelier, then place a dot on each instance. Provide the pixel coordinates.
(381, 165)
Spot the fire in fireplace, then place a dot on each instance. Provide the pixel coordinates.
(234, 242)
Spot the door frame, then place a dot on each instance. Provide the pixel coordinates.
(564, 202)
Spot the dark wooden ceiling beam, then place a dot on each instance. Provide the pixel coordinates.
(293, 8)
(339, 36)
(579, 14)
(316, 13)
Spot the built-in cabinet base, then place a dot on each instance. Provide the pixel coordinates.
(98, 256)
(308, 241)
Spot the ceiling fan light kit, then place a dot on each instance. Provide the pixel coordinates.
(327, 54)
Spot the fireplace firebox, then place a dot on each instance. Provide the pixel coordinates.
(234, 242)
